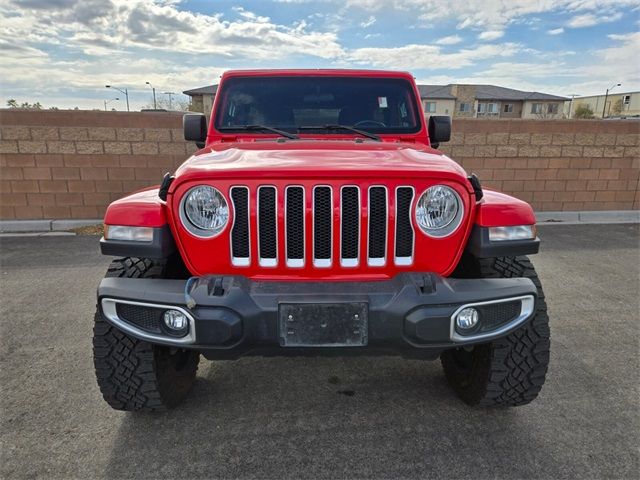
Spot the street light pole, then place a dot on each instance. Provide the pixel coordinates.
(125, 91)
(572, 95)
(169, 93)
(109, 101)
(154, 95)
(604, 108)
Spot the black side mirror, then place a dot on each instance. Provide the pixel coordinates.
(439, 129)
(195, 128)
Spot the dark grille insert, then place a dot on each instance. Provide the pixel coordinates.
(295, 223)
(494, 315)
(322, 217)
(267, 240)
(404, 231)
(377, 222)
(240, 230)
(350, 222)
(146, 318)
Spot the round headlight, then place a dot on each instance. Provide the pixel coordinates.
(204, 211)
(439, 211)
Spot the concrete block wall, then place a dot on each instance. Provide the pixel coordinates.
(556, 165)
(72, 164)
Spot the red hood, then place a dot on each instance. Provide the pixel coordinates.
(318, 159)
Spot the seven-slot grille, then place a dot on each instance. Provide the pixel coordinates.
(321, 251)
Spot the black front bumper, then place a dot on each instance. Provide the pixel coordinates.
(412, 314)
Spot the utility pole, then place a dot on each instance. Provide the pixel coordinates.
(125, 91)
(155, 107)
(604, 108)
(170, 93)
(572, 95)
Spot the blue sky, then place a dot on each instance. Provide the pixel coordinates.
(62, 52)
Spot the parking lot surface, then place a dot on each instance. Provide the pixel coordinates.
(379, 417)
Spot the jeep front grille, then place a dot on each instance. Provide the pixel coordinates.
(334, 211)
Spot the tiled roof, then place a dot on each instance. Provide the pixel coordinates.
(493, 92)
(208, 90)
(435, 91)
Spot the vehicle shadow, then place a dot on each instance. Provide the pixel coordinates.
(323, 418)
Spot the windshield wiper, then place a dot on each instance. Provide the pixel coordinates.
(282, 133)
(364, 133)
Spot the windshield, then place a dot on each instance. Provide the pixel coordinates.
(378, 105)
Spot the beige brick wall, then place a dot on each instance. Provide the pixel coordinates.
(556, 165)
(56, 165)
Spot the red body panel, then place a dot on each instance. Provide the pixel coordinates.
(142, 208)
(255, 159)
(500, 210)
(318, 159)
(212, 255)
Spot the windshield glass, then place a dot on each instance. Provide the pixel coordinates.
(378, 105)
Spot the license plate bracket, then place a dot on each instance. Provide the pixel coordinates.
(323, 324)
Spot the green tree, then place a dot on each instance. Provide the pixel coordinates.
(12, 103)
(583, 111)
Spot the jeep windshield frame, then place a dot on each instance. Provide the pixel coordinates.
(376, 105)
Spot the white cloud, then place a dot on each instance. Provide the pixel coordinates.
(491, 35)
(120, 24)
(450, 40)
(367, 23)
(556, 31)
(492, 14)
(589, 20)
(414, 57)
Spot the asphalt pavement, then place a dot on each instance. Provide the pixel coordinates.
(279, 418)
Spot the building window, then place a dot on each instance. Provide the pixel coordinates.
(536, 108)
(487, 109)
(508, 108)
(552, 108)
(465, 107)
(492, 108)
(430, 107)
(626, 99)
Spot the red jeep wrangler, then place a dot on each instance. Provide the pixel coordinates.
(316, 218)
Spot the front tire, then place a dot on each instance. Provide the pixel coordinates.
(133, 374)
(509, 371)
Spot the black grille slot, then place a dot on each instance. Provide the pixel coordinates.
(350, 237)
(377, 222)
(404, 231)
(267, 223)
(145, 318)
(240, 230)
(322, 217)
(295, 223)
(494, 315)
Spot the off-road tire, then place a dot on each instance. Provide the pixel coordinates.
(509, 371)
(133, 374)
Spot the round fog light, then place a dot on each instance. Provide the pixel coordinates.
(176, 321)
(467, 318)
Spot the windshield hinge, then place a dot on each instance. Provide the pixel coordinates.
(164, 186)
(477, 188)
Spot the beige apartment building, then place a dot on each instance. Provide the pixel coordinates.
(617, 105)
